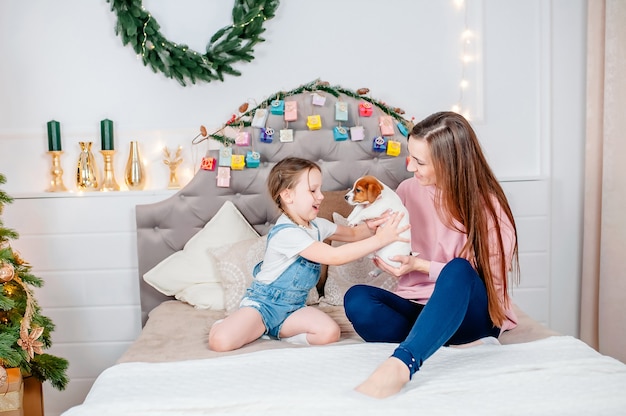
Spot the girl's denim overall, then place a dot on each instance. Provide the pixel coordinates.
(285, 295)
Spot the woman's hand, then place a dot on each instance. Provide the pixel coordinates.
(407, 264)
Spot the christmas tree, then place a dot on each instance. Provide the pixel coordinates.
(24, 331)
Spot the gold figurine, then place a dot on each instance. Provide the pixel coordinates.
(172, 163)
(86, 178)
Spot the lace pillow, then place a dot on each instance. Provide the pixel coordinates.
(235, 263)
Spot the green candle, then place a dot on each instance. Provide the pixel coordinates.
(54, 136)
(106, 134)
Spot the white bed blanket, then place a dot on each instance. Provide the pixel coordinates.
(555, 376)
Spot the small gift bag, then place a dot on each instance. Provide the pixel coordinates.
(267, 135)
(402, 129)
(393, 148)
(340, 133)
(223, 177)
(277, 107)
(379, 144)
(260, 118)
(242, 138)
(225, 155)
(386, 125)
(318, 99)
(357, 133)
(237, 162)
(365, 109)
(208, 163)
(314, 122)
(253, 159)
(286, 135)
(291, 110)
(341, 111)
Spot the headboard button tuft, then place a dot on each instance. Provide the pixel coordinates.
(156, 228)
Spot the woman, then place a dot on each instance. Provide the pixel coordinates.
(454, 291)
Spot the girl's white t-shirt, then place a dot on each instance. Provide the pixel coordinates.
(285, 246)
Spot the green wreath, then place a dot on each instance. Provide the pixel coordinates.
(227, 46)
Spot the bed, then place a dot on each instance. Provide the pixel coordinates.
(195, 253)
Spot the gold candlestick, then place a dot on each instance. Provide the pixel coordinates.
(108, 182)
(172, 163)
(56, 184)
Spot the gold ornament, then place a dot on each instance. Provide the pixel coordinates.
(362, 91)
(18, 259)
(108, 181)
(243, 108)
(29, 342)
(173, 163)
(86, 179)
(56, 183)
(134, 175)
(7, 271)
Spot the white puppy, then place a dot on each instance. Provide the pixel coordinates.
(371, 198)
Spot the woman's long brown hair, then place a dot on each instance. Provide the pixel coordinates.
(465, 191)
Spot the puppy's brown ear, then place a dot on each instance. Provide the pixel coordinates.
(374, 189)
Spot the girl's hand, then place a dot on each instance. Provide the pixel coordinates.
(391, 230)
(373, 223)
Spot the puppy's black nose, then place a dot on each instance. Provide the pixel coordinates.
(346, 197)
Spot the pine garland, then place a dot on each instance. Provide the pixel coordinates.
(24, 331)
(245, 117)
(229, 45)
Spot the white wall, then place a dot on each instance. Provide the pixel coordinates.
(62, 60)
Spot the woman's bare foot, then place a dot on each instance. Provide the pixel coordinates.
(387, 380)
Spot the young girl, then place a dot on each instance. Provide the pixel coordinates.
(275, 302)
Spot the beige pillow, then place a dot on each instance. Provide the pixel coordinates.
(341, 278)
(235, 263)
(191, 275)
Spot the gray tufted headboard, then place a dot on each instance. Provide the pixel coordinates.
(164, 227)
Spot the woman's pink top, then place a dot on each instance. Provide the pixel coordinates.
(436, 242)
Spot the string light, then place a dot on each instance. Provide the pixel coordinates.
(145, 38)
(467, 37)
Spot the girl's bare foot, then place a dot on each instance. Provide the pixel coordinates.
(387, 380)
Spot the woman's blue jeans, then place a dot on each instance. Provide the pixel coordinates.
(456, 313)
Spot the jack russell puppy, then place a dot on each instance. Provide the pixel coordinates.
(371, 198)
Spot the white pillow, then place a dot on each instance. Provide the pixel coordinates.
(191, 274)
(236, 263)
(341, 278)
(203, 295)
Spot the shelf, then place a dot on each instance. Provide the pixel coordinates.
(95, 194)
